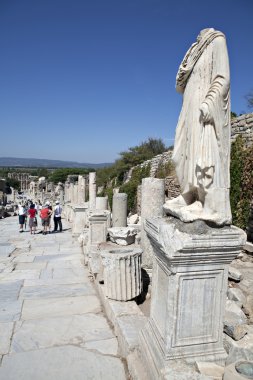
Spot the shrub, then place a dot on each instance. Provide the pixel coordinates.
(241, 177)
(130, 188)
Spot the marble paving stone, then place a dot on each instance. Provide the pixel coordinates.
(10, 311)
(55, 257)
(59, 331)
(56, 281)
(30, 266)
(54, 291)
(10, 290)
(107, 346)
(46, 274)
(43, 308)
(67, 272)
(63, 363)
(5, 337)
(20, 275)
(6, 249)
(58, 264)
(130, 327)
(24, 259)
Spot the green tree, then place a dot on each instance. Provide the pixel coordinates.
(130, 188)
(60, 175)
(249, 98)
(11, 182)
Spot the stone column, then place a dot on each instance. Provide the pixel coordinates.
(81, 189)
(71, 192)
(122, 273)
(76, 193)
(101, 203)
(190, 276)
(152, 200)
(61, 196)
(92, 190)
(119, 210)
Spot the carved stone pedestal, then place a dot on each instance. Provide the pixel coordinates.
(122, 273)
(188, 294)
(79, 219)
(98, 224)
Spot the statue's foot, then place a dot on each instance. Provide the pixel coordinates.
(178, 202)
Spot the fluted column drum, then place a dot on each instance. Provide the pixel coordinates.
(122, 273)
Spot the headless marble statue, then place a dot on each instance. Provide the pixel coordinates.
(202, 143)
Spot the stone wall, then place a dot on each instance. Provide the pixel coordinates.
(160, 159)
(243, 125)
(172, 187)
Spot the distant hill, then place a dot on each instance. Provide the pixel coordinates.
(42, 163)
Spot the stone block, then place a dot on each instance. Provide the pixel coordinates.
(68, 362)
(188, 293)
(5, 334)
(241, 349)
(234, 274)
(133, 219)
(79, 219)
(42, 308)
(119, 210)
(214, 371)
(235, 294)
(122, 273)
(122, 235)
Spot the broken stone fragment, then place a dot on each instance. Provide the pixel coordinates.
(235, 294)
(133, 219)
(122, 235)
(213, 370)
(239, 350)
(234, 274)
(234, 321)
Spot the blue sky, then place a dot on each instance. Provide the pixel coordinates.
(84, 80)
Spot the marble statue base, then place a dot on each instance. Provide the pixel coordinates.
(188, 293)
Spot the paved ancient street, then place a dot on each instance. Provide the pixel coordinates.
(51, 322)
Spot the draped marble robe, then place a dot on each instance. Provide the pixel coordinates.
(202, 143)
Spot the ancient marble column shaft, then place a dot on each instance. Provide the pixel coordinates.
(101, 203)
(152, 200)
(122, 273)
(119, 210)
(92, 190)
(81, 189)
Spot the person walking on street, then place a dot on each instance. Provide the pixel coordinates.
(21, 217)
(32, 218)
(57, 217)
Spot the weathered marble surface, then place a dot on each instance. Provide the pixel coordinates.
(122, 235)
(202, 143)
(122, 273)
(152, 200)
(189, 290)
(92, 190)
(119, 210)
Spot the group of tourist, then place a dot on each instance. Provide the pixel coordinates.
(32, 211)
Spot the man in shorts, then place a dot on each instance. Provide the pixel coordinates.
(45, 214)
